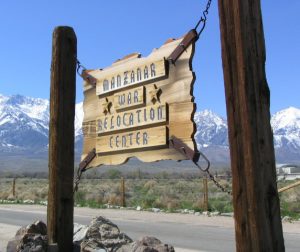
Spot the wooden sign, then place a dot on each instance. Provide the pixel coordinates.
(138, 105)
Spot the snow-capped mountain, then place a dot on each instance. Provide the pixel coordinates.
(286, 130)
(211, 129)
(24, 123)
(212, 134)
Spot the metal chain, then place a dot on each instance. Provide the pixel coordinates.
(202, 22)
(212, 178)
(78, 177)
(203, 18)
(79, 66)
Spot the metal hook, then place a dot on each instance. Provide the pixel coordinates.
(206, 159)
(79, 66)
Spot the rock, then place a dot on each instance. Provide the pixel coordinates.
(79, 232)
(33, 243)
(103, 234)
(206, 213)
(44, 202)
(156, 210)
(286, 219)
(197, 213)
(216, 213)
(227, 214)
(138, 208)
(28, 201)
(92, 246)
(100, 236)
(33, 238)
(191, 211)
(147, 244)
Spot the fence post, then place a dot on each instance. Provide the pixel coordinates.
(61, 139)
(14, 187)
(205, 194)
(123, 200)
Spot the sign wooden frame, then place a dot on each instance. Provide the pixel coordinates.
(137, 105)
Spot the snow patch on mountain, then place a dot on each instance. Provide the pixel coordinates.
(24, 123)
(211, 129)
(78, 119)
(286, 128)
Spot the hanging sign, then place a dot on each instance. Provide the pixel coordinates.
(134, 107)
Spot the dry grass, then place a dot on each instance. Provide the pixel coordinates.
(169, 194)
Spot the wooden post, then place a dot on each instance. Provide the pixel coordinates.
(123, 192)
(205, 194)
(14, 187)
(61, 139)
(255, 199)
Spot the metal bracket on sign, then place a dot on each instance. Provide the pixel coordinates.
(82, 167)
(88, 78)
(192, 155)
(188, 39)
(184, 149)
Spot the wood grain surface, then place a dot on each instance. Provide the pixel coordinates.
(171, 89)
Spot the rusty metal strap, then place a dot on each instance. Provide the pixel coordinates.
(188, 39)
(88, 78)
(82, 167)
(85, 162)
(195, 156)
(84, 73)
(184, 149)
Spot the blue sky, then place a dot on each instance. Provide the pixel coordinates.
(108, 30)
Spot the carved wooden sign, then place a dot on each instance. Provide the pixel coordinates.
(138, 105)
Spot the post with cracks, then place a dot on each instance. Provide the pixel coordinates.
(61, 140)
(255, 198)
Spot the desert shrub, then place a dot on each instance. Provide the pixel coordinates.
(173, 204)
(114, 174)
(150, 184)
(80, 197)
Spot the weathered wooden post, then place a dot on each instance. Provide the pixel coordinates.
(205, 194)
(255, 199)
(123, 192)
(14, 187)
(61, 139)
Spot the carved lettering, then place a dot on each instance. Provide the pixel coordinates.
(130, 98)
(152, 67)
(146, 138)
(153, 114)
(136, 75)
(112, 83)
(125, 78)
(118, 81)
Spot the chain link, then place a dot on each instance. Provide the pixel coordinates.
(201, 23)
(79, 66)
(78, 177)
(222, 188)
(203, 18)
(212, 178)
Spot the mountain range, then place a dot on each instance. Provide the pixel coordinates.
(24, 131)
